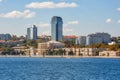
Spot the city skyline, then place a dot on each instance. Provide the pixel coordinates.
(80, 17)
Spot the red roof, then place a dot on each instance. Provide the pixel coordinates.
(70, 36)
(2, 40)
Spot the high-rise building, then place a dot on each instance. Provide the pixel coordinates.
(32, 33)
(28, 33)
(56, 28)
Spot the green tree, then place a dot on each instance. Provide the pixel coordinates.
(114, 47)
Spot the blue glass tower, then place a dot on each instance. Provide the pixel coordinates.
(34, 32)
(56, 28)
(28, 33)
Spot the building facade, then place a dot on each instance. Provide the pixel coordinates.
(5, 36)
(28, 33)
(56, 28)
(109, 53)
(98, 38)
(32, 33)
(42, 47)
(69, 38)
(81, 40)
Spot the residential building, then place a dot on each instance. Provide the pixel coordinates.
(108, 53)
(98, 38)
(84, 51)
(81, 40)
(10, 42)
(56, 28)
(32, 33)
(45, 38)
(69, 38)
(5, 36)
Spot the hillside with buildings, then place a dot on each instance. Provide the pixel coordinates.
(95, 44)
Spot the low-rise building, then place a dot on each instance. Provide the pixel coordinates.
(84, 51)
(69, 38)
(81, 40)
(42, 47)
(108, 53)
(5, 36)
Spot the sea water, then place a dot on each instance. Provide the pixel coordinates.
(59, 69)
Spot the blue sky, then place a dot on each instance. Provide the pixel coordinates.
(80, 17)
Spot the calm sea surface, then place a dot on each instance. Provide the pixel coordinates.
(59, 69)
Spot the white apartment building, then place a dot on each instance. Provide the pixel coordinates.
(98, 38)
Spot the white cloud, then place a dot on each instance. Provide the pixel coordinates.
(119, 21)
(68, 30)
(18, 14)
(65, 29)
(42, 25)
(73, 22)
(70, 23)
(46, 33)
(118, 9)
(1, 0)
(50, 4)
(108, 20)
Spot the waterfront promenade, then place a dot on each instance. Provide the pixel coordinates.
(58, 56)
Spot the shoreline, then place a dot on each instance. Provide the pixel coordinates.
(54, 56)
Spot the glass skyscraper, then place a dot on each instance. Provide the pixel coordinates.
(28, 33)
(56, 28)
(32, 33)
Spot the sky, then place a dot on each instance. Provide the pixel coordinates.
(80, 17)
